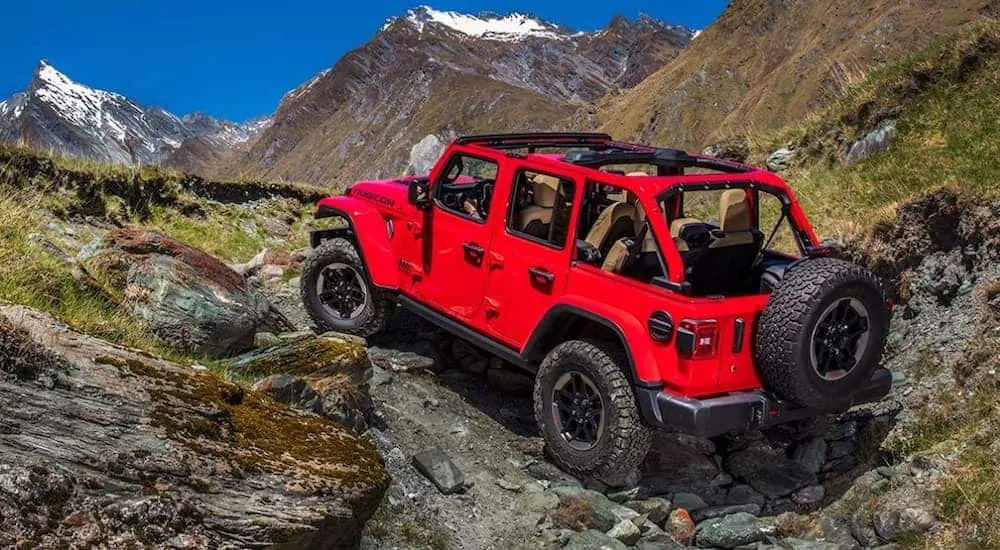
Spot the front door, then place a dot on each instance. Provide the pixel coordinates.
(531, 254)
(457, 242)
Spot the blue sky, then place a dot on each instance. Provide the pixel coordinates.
(235, 59)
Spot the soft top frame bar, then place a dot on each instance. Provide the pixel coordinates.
(664, 158)
(538, 139)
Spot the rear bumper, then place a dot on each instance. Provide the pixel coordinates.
(744, 411)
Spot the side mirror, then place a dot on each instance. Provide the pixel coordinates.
(418, 194)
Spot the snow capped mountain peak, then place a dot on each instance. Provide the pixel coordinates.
(74, 120)
(490, 26)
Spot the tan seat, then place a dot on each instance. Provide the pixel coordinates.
(734, 219)
(614, 222)
(616, 258)
(675, 232)
(536, 218)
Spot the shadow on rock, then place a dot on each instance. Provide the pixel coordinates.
(499, 390)
(794, 468)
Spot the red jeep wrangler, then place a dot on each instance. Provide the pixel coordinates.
(644, 287)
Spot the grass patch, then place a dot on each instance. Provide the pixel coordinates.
(34, 275)
(944, 99)
(43, 196)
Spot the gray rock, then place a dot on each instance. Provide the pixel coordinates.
(810, 496)
(799, 544)
(400, 361)
(744, 494)
(842, 430)
(440, 470)
(658, 541)
(837, 530)
(291, 390)
(622, 496)
(687, 501)
(733, 531)
(657, 509)
(779, 160)
(841, 465)
(593, 540)
(736, 149)
(876, 141)
(719, 511)
(626, 532)
(840, 449)
(425, 154)
(604, 513)
(862, 528)
(769, 471)
(891, 523)
(537, 502)
(811, 454)
(506, 485)
(722, 480)
(886, 471)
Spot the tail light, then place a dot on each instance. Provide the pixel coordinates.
(698, 339)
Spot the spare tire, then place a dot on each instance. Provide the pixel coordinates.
(822, 333)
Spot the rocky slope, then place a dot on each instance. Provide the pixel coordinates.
(765, 64)
(444, 73)
(59, 115)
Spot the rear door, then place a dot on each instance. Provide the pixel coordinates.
(458, 239)
(530, 252)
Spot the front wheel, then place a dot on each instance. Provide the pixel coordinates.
(587, 413)
(337, 293)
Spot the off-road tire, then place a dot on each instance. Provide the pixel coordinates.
(785, 332)
(376, 313)
(626, 438)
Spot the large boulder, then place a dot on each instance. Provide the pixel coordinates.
(424, 155)
(189, 299)
(329, 375)
(108, 448)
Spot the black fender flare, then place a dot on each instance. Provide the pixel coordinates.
(535, 349)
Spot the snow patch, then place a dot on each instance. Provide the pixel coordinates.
(511, 27)
(696, 34)
(311, 83)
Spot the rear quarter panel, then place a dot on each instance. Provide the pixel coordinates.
(629, 304)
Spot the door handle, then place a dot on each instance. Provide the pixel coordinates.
(474, 253)
(541, 275)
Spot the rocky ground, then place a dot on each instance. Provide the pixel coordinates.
(455, 427)
(469, 471)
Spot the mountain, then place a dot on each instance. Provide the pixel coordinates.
(765, 64)
(59, 115)
(441, 73)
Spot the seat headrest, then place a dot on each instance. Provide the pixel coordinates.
(637, 175)
(734, 211)
(546, 190)
(677, 225)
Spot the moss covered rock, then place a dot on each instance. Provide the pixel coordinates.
(189, 299)
(106, 447)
